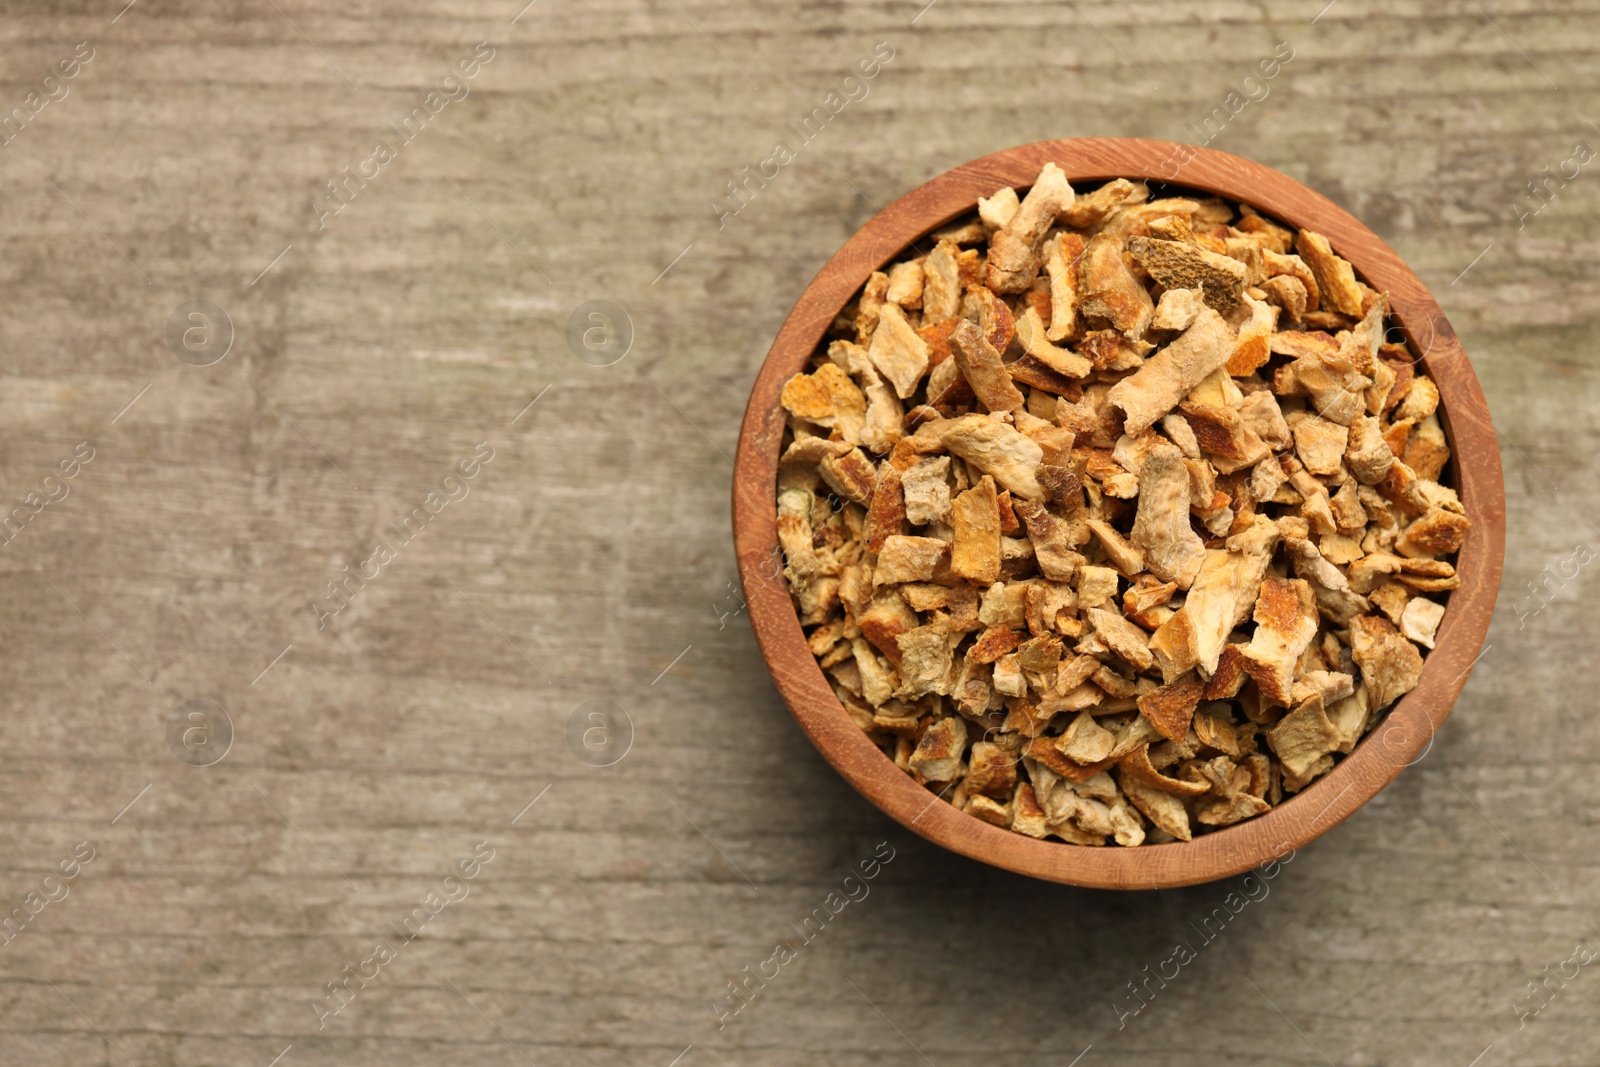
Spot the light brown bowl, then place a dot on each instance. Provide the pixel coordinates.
(1405, 734)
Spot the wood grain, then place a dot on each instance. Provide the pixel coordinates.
(598, 540)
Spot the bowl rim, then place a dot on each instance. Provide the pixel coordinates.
(1406, 732)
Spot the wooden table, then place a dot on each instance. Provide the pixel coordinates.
(543, 676)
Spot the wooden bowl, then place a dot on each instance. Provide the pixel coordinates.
(1406, 732)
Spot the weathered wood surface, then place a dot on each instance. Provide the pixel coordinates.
(592, 557)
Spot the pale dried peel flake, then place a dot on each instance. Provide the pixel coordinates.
(1114, 520)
